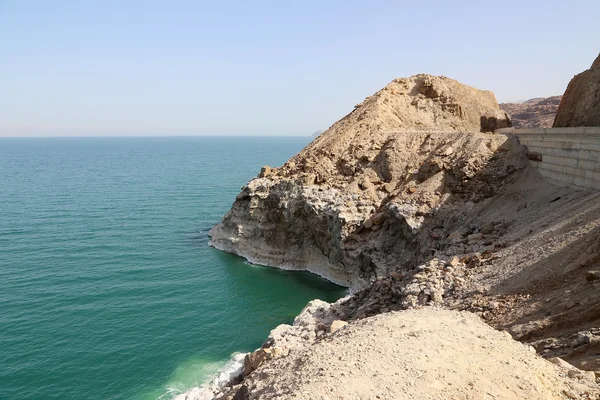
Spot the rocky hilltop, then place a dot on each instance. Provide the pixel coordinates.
(347, 206)
(533, 113)
(580, 106)
(413, 202)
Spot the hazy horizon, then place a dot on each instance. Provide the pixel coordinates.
(108, 68)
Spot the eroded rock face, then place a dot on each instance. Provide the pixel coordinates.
(580, 105)
(350, 204)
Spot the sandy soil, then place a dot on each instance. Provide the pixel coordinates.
(416, 354)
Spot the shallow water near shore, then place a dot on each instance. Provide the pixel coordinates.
(108, 289)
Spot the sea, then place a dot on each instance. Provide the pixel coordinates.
(108, 289)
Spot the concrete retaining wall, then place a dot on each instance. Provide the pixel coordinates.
(564, 156)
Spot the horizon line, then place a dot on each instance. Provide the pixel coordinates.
(151, 136)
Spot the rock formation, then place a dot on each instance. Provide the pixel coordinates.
(580, 105)
(407, 201)
(348, 205)
(533, 113)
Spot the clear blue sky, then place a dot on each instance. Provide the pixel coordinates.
(267, 67)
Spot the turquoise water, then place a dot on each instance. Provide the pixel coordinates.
(108, 289)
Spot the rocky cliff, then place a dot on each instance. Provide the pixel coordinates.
(350, 206)
(580, 105)
(409, 201)
(533, 113)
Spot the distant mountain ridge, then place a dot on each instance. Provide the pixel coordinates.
(533, 113)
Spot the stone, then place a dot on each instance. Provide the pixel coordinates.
(337, 325)
(561, 363)
(582, 338)
(368, 223)
(454, 261)
(591, 276)
(487, 228)
(471, 259)
(254, 360)
(265, 171)
(437, 295)
(448, 151)
(389, 187)
(308, 179)
(575, 374)
(378, 218)
(455, 236)
(475, 237)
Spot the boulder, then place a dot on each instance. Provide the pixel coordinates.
(337, 325)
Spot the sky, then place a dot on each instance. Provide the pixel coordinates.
(128, 67)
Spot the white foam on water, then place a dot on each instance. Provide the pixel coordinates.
(215, 383)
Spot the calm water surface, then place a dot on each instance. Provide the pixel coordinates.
(108, 289)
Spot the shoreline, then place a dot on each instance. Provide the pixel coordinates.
(217, 381)
(215, 385)
(320, 272)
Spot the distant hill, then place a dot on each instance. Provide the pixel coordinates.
(317, 133)
(533, 113)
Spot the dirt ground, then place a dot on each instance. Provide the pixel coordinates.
(417, 354)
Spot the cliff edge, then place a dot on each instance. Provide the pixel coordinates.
(347, 206)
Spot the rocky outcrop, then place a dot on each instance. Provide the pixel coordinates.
(418, 354)
(580, 105)
(533, 113)
(352, 203)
